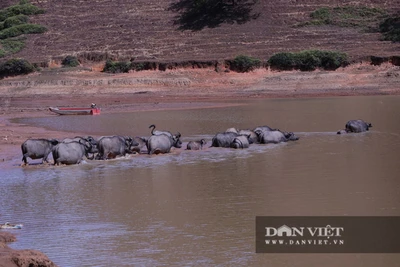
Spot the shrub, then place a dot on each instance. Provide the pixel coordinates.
(390, 28)
(15, 20)
(322, 13)
(283, 61)
(346, 16)
(137, 66)
(244, 63)
(331, 60)
(117, 66)
(25, 9)
(2, 53)
(70, 61)
(12, 46)
(21, 29)
(308, 60)
(16, 66)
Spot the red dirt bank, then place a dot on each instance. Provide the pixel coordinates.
(20, 258)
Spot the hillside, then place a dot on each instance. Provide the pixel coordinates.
(144, 30)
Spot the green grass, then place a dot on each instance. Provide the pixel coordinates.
(346, 16)
(25, 9)
(18, 30)
(11, 46)
(14, 22)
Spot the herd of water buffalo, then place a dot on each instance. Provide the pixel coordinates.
(73, 150)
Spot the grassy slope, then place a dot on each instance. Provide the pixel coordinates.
(143, 30)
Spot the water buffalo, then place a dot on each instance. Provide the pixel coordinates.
(37, 149)
(89, 139)
(142, 142)
(162, 143)
(240, 141)
(355, 126)
(71, 152)
(275, 136)
(251, 135)
(196, 145)
(264, 128)
(156, 132)
(113, 146)
(232, 130)
(223, 139)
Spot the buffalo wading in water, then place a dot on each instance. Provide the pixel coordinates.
(196, 145)
(37, 149)
(142, 143)
(240, 141)
(355, 126)
(252, 136)
(89, 139)
(162, 143)
(113, 146)
(71, 152)
(232, 130)
(223, 139)
(156, 132)
(275, 136)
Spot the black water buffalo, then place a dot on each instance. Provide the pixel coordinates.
(142, 142)
(71, 152)
(156, 132)
(113, 146)
(37, 149)
(223, 139)
(275, 136)
(162, 143)
(89, 139)
(251, 135)
(264, 128)
(232, 130)
(196, 145)
(241, 141)
(356, 126)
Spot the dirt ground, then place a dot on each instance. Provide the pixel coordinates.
(32, 95)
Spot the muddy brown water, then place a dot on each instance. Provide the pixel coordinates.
(198, 208)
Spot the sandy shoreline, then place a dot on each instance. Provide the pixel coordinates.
(143, 91)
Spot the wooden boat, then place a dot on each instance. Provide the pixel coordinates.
(92, 110)
(10, 226)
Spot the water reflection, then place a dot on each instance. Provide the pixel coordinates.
(199, 207)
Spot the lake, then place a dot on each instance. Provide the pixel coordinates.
(198, 208)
